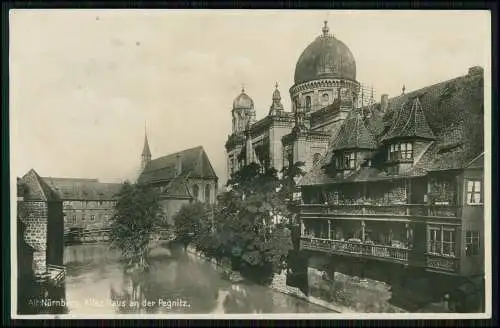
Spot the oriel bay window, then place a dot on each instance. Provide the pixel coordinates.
(442, 241)
(401, 151)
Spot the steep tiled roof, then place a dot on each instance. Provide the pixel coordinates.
(453, 111)
(83, 189)
(195, 162)
(354, 134)
(410, 121)
(37, 189)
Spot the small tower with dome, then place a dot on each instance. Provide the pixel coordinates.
(243, 112)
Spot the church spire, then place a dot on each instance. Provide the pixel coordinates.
(146, 152)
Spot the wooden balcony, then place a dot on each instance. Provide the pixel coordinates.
(367, 210)
(382, 252)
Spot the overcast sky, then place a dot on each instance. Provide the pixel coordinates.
(83, 83)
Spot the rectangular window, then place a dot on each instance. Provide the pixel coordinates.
(74, 218)
(83, 217)
(352, 160)
(409, 150)
(449, 242)
(474, 195)
(442, 241)
(435, 241)
(346, 161)
(92, 218)
(403, 151)
(472, 243)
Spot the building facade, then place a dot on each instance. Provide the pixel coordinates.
(180, 178)
(324, 92)
(87, 203)
(400, 192)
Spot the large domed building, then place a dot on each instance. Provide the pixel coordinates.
(325, 72)
(324, 91)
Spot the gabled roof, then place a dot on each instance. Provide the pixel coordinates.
(453, 111)
(195, 162)
(353, 134)
(177, 188)
(37, 189)
(410, 121)
(83, 189)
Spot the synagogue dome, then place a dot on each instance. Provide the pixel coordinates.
(325, 58)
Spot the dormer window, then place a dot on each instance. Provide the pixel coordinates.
(347, 161)
(401, 151)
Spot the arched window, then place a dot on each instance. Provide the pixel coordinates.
(196, 191)
(207, 193)
(316, 158)
(308, 103)
(325, 98)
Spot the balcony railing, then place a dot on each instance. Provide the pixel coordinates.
(442, 263)
(399, 210)
(357, 249)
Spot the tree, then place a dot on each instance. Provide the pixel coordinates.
(137, 216)
(247, 228)
(189, 221)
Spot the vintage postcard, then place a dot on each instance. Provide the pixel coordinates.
(250, 164)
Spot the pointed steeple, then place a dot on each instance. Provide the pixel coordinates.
(146, 152)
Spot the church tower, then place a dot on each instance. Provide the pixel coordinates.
(146, 153)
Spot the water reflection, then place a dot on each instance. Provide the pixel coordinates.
(175, 283)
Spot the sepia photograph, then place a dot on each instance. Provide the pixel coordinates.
(330, 164)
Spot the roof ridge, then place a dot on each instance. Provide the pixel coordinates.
(178, 152)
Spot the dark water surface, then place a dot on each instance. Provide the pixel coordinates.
(177, 282)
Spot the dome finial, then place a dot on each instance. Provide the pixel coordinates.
(404, 88)
(242, 88)
(276, 85)
(325, 29)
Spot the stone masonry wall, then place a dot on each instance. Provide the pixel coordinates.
(35, 214)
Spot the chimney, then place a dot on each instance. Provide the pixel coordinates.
(178, 164)
(384, 102)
